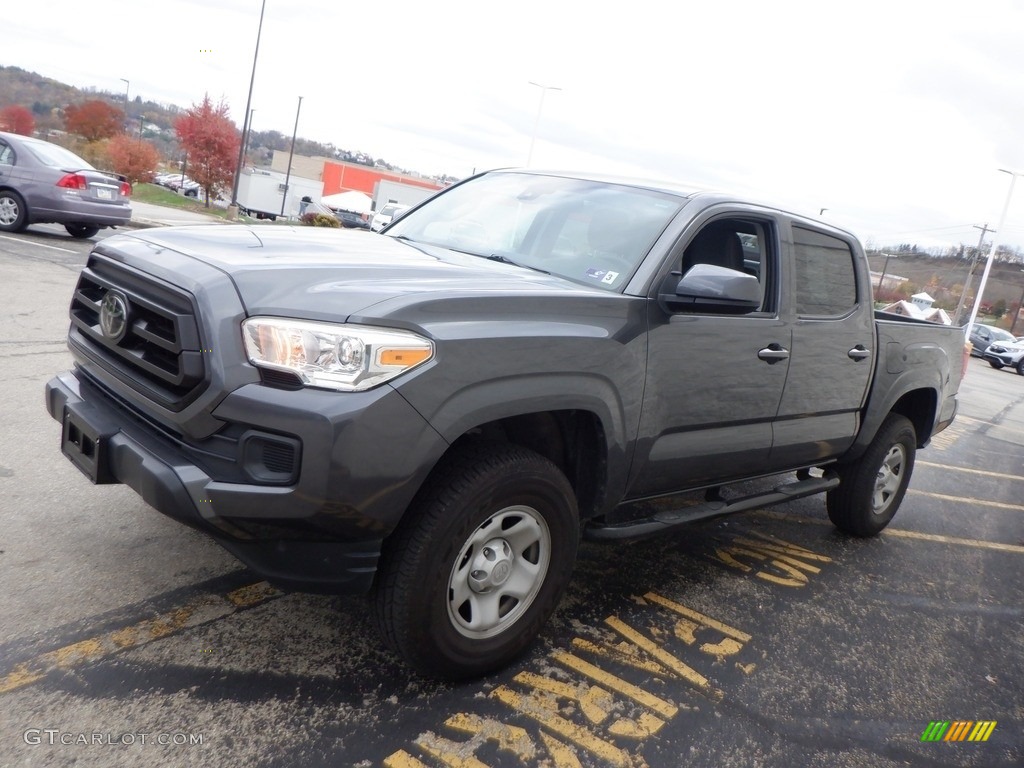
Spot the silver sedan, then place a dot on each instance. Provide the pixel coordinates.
(41, 182)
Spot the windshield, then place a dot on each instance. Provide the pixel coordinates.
(587, 231)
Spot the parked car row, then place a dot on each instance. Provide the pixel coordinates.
(178, 182)
(42, 182)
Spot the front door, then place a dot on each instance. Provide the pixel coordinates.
(714, 381)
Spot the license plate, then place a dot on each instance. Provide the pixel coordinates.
(86, 444)
(104, 194)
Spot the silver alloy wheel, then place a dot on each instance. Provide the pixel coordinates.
(499, 572)
(890, 476)
(8, 210)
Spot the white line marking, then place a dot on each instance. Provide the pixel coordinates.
(40, 245)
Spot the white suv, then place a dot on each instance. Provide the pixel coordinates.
(386, 214)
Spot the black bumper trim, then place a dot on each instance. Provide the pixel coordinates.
(170, 486)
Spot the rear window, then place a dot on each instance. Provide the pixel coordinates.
(56, 157)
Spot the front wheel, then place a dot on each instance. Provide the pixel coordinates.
(1020, 367)
(872, 488)
(81, 231)
(468, 580)
(995, 364)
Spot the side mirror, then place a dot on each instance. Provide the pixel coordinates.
(710, 288)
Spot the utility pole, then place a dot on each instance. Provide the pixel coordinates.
(970, 273)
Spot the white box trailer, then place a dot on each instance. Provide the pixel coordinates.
(261, 193)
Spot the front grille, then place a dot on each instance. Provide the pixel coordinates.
(159, 353)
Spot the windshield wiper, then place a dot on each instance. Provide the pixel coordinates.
(506, 260)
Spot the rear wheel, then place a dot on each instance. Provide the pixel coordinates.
(469, 579)
(13, 213)
(81, 230)
(872, 488)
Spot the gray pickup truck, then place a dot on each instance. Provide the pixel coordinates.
(437, 414)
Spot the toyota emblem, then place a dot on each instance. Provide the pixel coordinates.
(114, 315)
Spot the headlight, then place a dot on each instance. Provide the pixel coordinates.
(344, 357)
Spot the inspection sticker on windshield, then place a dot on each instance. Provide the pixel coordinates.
(604, 275)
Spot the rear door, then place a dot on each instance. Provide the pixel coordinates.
(832, 353)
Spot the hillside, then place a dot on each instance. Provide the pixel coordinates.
(46, 99)
(943, 277)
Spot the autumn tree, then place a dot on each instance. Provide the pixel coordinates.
(211, 143)
(17, 119)
(93, 120)
(134, 158)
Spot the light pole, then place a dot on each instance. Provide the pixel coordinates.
(245, 129)
(970, 273)
(126, 86)
(536, 123)
(885, 268)
(245, 138)
(991, 255)
(291, 152)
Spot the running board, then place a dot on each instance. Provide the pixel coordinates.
(805, 485)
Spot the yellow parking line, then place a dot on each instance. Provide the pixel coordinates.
(900, 533)
(968, 500)
(982, 472)
(197, 612)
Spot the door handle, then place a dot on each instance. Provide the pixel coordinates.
(859, 353)
(773, 353)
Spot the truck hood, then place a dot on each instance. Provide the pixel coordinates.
(326, 273)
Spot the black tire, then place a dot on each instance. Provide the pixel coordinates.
(493, 520)
(996, 365)
(872, 488)
(13, 213)
(191, 193)
(1020, 367)
(81, 231)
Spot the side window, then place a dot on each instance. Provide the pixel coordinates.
(826, 281)
(740, 244)
(6, 154)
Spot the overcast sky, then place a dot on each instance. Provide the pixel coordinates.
(893, 115)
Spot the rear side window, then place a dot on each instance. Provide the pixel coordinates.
(6, 154)
(826, 281)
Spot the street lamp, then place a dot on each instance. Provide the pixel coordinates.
(126, 86)
(291, 153)
(245, 128)
(536, 123)
(995, 246)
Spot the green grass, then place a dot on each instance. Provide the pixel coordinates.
(157, 195)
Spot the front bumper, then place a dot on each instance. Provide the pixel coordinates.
(1005, 359)
(361, 464)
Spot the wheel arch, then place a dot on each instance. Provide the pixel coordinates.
(574, 440)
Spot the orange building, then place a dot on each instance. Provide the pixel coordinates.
(343, 177)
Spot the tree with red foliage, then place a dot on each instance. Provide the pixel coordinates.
(17, 119)
(134, 158)
(93, 120)
(211, 142)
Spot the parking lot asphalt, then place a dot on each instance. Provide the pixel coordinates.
(764, 639)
